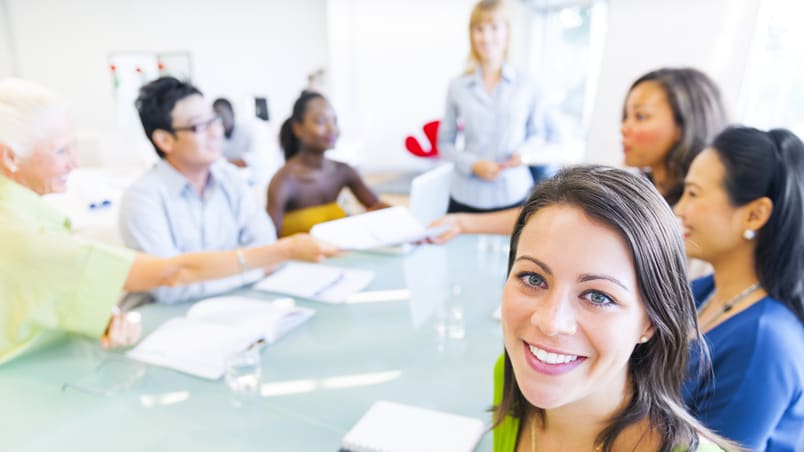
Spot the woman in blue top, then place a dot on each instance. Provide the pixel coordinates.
(499, 110)
(743, 212)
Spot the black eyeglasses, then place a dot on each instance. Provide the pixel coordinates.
(200, 126)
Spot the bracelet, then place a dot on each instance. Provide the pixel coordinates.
(242, 259)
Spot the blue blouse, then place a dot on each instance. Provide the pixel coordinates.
(495, 126)
(756, 395)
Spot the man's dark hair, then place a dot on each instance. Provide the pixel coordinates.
(155, 105)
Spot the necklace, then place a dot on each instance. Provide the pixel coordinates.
(727, 306)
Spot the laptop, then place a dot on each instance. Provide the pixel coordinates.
(429, 194)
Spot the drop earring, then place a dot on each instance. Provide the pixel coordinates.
(749, 234)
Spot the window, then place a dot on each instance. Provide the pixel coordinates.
(773, 94)
(565, 40)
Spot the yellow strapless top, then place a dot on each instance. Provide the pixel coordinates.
(303, 220)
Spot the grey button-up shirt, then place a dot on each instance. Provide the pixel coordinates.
(495, 126)
(161, 214)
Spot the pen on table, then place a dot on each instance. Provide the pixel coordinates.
(332, 284)
(258, 343)
(102, 204)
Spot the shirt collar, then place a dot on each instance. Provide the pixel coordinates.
(177, 182)
(25, 202)
(508, 75)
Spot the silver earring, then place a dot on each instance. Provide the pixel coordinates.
(749, 234)
(643, 339)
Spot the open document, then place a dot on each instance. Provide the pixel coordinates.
(215, 328)
(378, 229)
(316, 282)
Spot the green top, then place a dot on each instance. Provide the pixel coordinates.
(505, 434)
(50, 280)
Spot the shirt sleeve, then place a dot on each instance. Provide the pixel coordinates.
(256, 227)
(752, 388)
(542, 126)
(448, 132)
(144, 226)
(54, 281)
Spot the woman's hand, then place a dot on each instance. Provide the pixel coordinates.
(305, 247)
(124, 329)
(487, 169)
(513, 162)
(454, 223)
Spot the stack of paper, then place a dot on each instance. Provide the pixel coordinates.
(316, 282)
(215, 328)
(388, 426)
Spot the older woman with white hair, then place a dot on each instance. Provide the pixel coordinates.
(50, 280)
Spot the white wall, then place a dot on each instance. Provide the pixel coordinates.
(642, 35)
(391, 62)
(6, 54)
(239, 48)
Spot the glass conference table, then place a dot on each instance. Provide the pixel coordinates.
(422, 333)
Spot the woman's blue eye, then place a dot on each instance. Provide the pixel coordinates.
(599, 298)
(532, 279)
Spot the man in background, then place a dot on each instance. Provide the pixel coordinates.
(236, 137)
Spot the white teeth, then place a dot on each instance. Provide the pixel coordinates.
(551, 358)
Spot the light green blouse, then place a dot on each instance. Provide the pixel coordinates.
(50, 280)
(505, 434)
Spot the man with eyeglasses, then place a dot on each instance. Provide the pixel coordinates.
(192, 199)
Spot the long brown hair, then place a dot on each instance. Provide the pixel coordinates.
(632, 207)
(699, 113)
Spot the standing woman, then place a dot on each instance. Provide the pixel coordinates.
(743, 212)
(499, 110)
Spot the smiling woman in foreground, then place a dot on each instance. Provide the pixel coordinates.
(596, 318)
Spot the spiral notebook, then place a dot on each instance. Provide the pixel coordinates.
(393, 427)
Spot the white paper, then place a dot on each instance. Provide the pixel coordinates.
(316, 282)
(197, 348)
(376, 229)
(256, 318)
(389, 426)
(213, 329)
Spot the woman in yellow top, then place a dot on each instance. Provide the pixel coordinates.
(50, 280)
(304, 191)
(597, 318)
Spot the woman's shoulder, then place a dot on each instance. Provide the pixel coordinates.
(779, 327)
(461, 82)
(342, 169)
